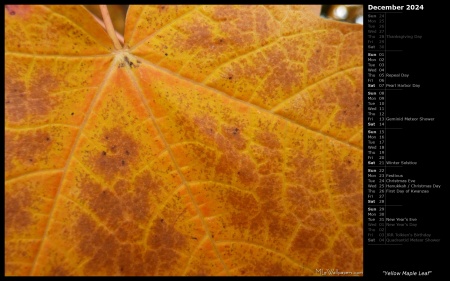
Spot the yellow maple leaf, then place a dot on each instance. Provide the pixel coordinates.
(220, 140)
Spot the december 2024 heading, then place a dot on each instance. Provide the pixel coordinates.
(394, 7)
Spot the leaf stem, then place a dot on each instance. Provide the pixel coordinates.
(109, 26)
(119, 36)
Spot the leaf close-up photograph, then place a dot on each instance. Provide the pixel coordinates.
(190, 140)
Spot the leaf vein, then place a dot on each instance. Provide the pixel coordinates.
(165, 70)
(172, 157)
(166, 25)
(77, 140)
(287, 257)
(80, 28)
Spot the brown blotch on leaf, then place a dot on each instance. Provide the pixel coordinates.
(234, 136)
(166, 236)
(233, 160)
(199, 35)
(26, 148)
(269, 140)
(17, 217)
(244, 207)
(133, 260)
(207, 125)
(247, 171)
(103, 202)
(348, 98)
(305, 171)
(148, 184)
(15, 99)
(304, 240)
(98, 244)
(347, 178)
(269, 269)
(33, 100)
(356, 235)
(283, 78)
(119, 145)
(166, 240)
(59, 271)
(125, 200)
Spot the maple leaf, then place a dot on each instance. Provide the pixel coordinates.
(221, 140)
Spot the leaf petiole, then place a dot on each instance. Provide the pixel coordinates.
(109, 26)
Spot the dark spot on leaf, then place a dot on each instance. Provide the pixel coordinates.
(113, 162)
(72, 113)
(161, 220)
(165, 54)
(31, 160)
(104, 152)
(10, 10)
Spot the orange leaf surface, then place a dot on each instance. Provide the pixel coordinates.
(222, 140)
